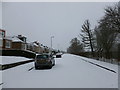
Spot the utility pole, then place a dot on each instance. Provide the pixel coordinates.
(51, 41)
(119, 7)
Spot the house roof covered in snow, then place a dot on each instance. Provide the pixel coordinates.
(14, 39)
(35, 44)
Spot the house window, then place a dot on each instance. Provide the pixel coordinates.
(23, 46)
(1, 42)
(2, 34)
(8, 44)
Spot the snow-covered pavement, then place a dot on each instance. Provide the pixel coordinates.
(11, 59)
(105, 64)
(70, 71)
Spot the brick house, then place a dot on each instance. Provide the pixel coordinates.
(5, 43)
(2, 36)
(18, 44)
(35, 47)
(46, 49)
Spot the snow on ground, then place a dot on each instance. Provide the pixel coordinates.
(70, 71)
(11, 59)
(105, 64)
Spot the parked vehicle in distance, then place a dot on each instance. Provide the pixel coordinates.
(44, 60)
(58, 55)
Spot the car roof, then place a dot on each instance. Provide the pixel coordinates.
(43, 54)
(38, 54)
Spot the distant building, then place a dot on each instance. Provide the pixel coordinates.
(23, 38)
(5, 43)
(35, 47)
(28, 47)
(2, 35)
(46, 49)
(18, 44)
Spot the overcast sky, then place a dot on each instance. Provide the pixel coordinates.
(39, 21)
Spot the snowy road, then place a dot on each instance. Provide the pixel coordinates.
(70, 71)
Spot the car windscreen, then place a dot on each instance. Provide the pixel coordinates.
(42, 56)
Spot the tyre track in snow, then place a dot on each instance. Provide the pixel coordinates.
(31, 69)
(1, 83)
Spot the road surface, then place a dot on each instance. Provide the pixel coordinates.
(70, 71)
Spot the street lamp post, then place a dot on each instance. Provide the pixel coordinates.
(51, 41)
(119, 7)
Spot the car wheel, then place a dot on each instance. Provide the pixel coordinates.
(50, 66)
(36, 67)
(54, 64)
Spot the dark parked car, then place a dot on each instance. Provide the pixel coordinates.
(58, 55)
(44, 60)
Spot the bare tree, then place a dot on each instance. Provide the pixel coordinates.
(112, 17)
(105, 39)
(87, 35)
(75, 46)
(107, 31)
